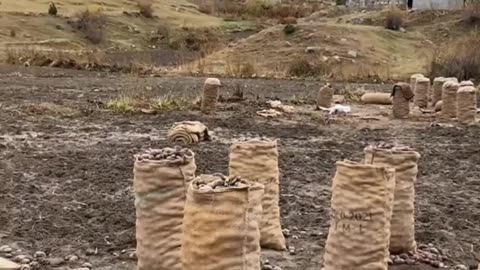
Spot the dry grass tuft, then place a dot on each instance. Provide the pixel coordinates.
(301, 67)
(394, 18)
(146, 8)
(91, 24)
(458, 58)
(241, 69)
(471, 12)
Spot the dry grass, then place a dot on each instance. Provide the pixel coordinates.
(394, 18)
(241, 69)
(52, 9)
(301, 67)
(458, 58)
(50, 109)
(146, 8)
(91, 24)
(194, 39)
(471, 13)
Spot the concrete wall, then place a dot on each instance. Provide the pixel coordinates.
(437, 4)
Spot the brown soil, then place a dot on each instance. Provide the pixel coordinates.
(66, 178)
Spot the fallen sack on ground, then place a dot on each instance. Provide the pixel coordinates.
(188, 132)
(221, 224)
(359, 218)
(377, 98)
(257, 161)
(160, 179)
(405, 162)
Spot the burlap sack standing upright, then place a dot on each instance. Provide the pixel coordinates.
(405, 163)
(437, 89)
(402, 94)
(466, 105)
(258, 161)
(449, 99)
(221, 225)
(422, 89)
(359, 219)
(210, 95)
(325, 96)
(413, 80)
(160, 178)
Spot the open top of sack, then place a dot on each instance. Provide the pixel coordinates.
(389, 149)
(255, 143)
(213, 183)
(167, 156)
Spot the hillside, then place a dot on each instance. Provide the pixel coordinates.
(29, 24)
(352, 45)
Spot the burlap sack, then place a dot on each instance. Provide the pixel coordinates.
(422, 89)
(437, 89)
(449, 98)
(466, 105)
(221, 225)
(405, 163)
(160, 178)
(359, 220)
(438, 105)
(210, 95)
(188, 132)
(377, 98)
(413, 80)
(257, 161)
(401, 105)
(325, 96)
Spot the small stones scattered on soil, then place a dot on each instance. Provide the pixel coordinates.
(292, 250)
(426, 254)
(267, 266)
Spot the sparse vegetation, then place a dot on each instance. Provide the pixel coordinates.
(458, 58)
(242, 69)
(394, 18)
(471, 12)
(52, 9)
(301, 67)
(146, 8)
(193, 39)
(91, 24)
(131, 104)
(289, 29)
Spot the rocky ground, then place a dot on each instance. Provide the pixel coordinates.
(66, 198)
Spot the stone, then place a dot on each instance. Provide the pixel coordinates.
(343, 40)
(25, 267)
(353, 54)
(8, 265)
(312, 49)
(402, 30)
(73, 258)
(87, 265)
(337, 58)
(5, 249)
(461, 267)
(286, 232)
(19, 258)
(8, 255)
(56, 261)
